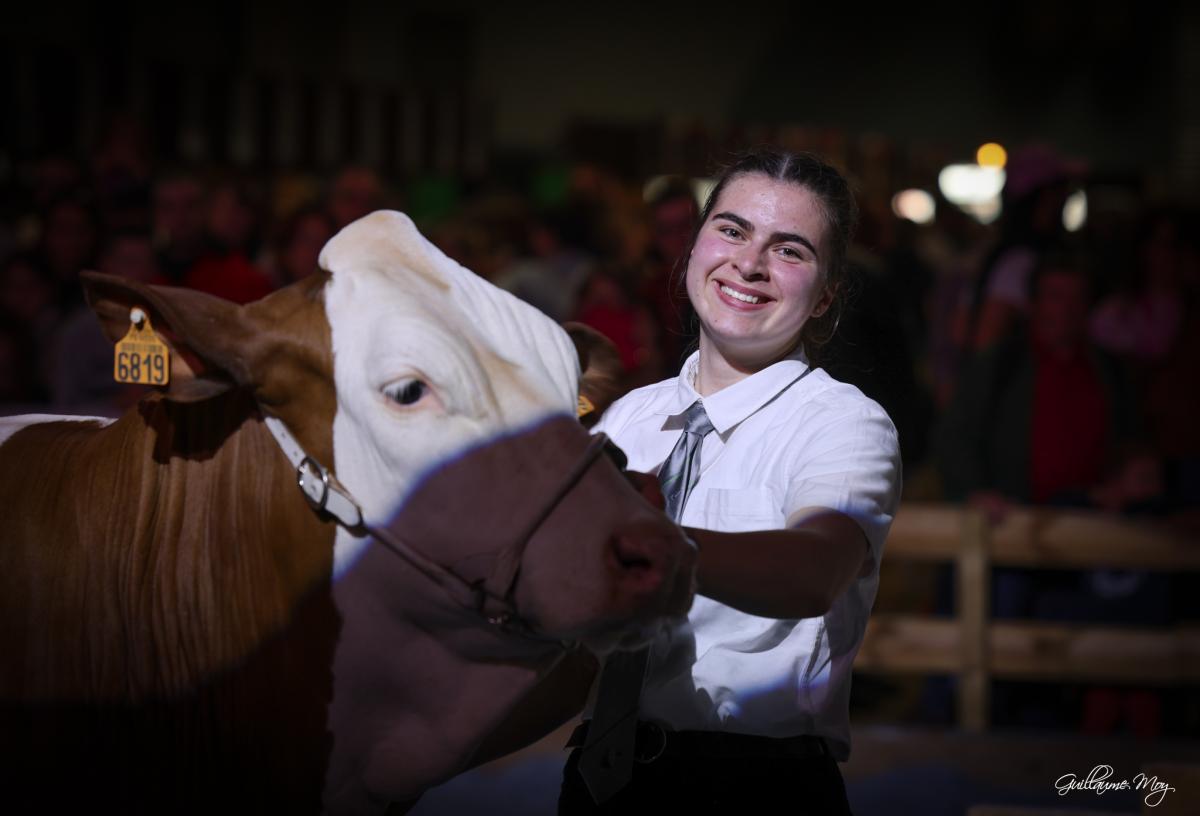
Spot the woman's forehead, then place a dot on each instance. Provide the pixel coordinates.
(784, 203)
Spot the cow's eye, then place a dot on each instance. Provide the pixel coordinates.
(406, 392)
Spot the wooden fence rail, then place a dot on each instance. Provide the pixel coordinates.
(977, 649)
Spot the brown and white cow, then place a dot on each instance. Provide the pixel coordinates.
(181, 630)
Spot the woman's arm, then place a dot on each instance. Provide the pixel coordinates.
(797, 572)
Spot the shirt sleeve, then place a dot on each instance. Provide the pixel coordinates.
(850, 462)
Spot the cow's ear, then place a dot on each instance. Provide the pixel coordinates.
(602, 377)
(207, 336)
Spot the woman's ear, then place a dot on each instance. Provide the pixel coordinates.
(825, 301)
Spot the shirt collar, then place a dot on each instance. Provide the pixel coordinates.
(734, 403)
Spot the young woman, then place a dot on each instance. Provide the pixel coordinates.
(788, 489)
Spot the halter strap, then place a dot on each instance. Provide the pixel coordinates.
(492, 598)
(322, 489)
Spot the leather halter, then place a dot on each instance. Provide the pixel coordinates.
(492, 598)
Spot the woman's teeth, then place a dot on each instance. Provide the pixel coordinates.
(740, 296)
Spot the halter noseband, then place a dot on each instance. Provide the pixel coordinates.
(491, 598)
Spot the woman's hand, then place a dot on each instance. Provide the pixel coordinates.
(647, 485)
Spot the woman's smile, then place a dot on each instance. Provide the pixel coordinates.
(739, 297)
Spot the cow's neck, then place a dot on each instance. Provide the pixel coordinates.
(193, 547)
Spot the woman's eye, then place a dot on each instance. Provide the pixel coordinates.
(408, 392)
(730, 232)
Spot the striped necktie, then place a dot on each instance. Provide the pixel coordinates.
(606, 762)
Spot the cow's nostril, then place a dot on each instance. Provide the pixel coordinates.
(634, 552)
(633, 562)
(640, 563)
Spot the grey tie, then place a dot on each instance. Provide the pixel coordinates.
(606, 762)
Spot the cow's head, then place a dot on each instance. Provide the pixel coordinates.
(433, 363)
(390, 361)
(429, 359)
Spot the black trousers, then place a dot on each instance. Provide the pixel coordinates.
(729, 782)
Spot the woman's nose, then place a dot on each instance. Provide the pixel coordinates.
(749, 264)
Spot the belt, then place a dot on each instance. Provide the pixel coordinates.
(654, 741)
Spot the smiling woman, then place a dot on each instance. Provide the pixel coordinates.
(771, 249)
(754, 276)
(787, 480)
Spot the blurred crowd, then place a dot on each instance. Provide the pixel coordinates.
(1022, 363)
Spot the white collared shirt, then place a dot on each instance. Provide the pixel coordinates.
(786, 438)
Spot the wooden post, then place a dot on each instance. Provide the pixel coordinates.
(974, 604)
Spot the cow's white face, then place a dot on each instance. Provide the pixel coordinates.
(428, 360)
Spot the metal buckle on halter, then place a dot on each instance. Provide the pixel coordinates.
(313, 467)
(501, 618)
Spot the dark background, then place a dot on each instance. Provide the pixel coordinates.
(452, 86)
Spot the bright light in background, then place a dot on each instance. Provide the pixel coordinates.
(970, 183)
(991, 155)
(974, 189)
(1075, 211)
(917, 206)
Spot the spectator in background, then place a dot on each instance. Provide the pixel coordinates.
(1141, 320)
(178, 223)
(226, 268)
(299, 243)
(1044, 417)
(68, 245)
(1035, 191)
(1170, 389)
(53, 178)
(871, 348)
(120, 168)
(23, 206)
(607, 305)
(556, 266)
(355, 192)
(954, 249)
(82, 382)
(1040, 415)
(27, 294)
(673, 214)
(29, 313)
(20, 391)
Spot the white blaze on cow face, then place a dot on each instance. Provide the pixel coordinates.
(428, 360)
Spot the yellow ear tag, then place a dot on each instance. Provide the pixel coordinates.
(141, 355)
(583, 407)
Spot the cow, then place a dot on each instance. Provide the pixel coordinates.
(356, 545)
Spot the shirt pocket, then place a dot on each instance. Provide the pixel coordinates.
(738, 509)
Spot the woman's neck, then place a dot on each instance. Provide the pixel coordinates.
(718, 368)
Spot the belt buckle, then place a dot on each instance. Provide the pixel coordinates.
(645, 754)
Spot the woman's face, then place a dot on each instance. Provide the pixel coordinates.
(755, 272)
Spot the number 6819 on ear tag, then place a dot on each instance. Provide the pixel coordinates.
(141, 356)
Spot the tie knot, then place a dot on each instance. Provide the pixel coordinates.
(695, 420)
